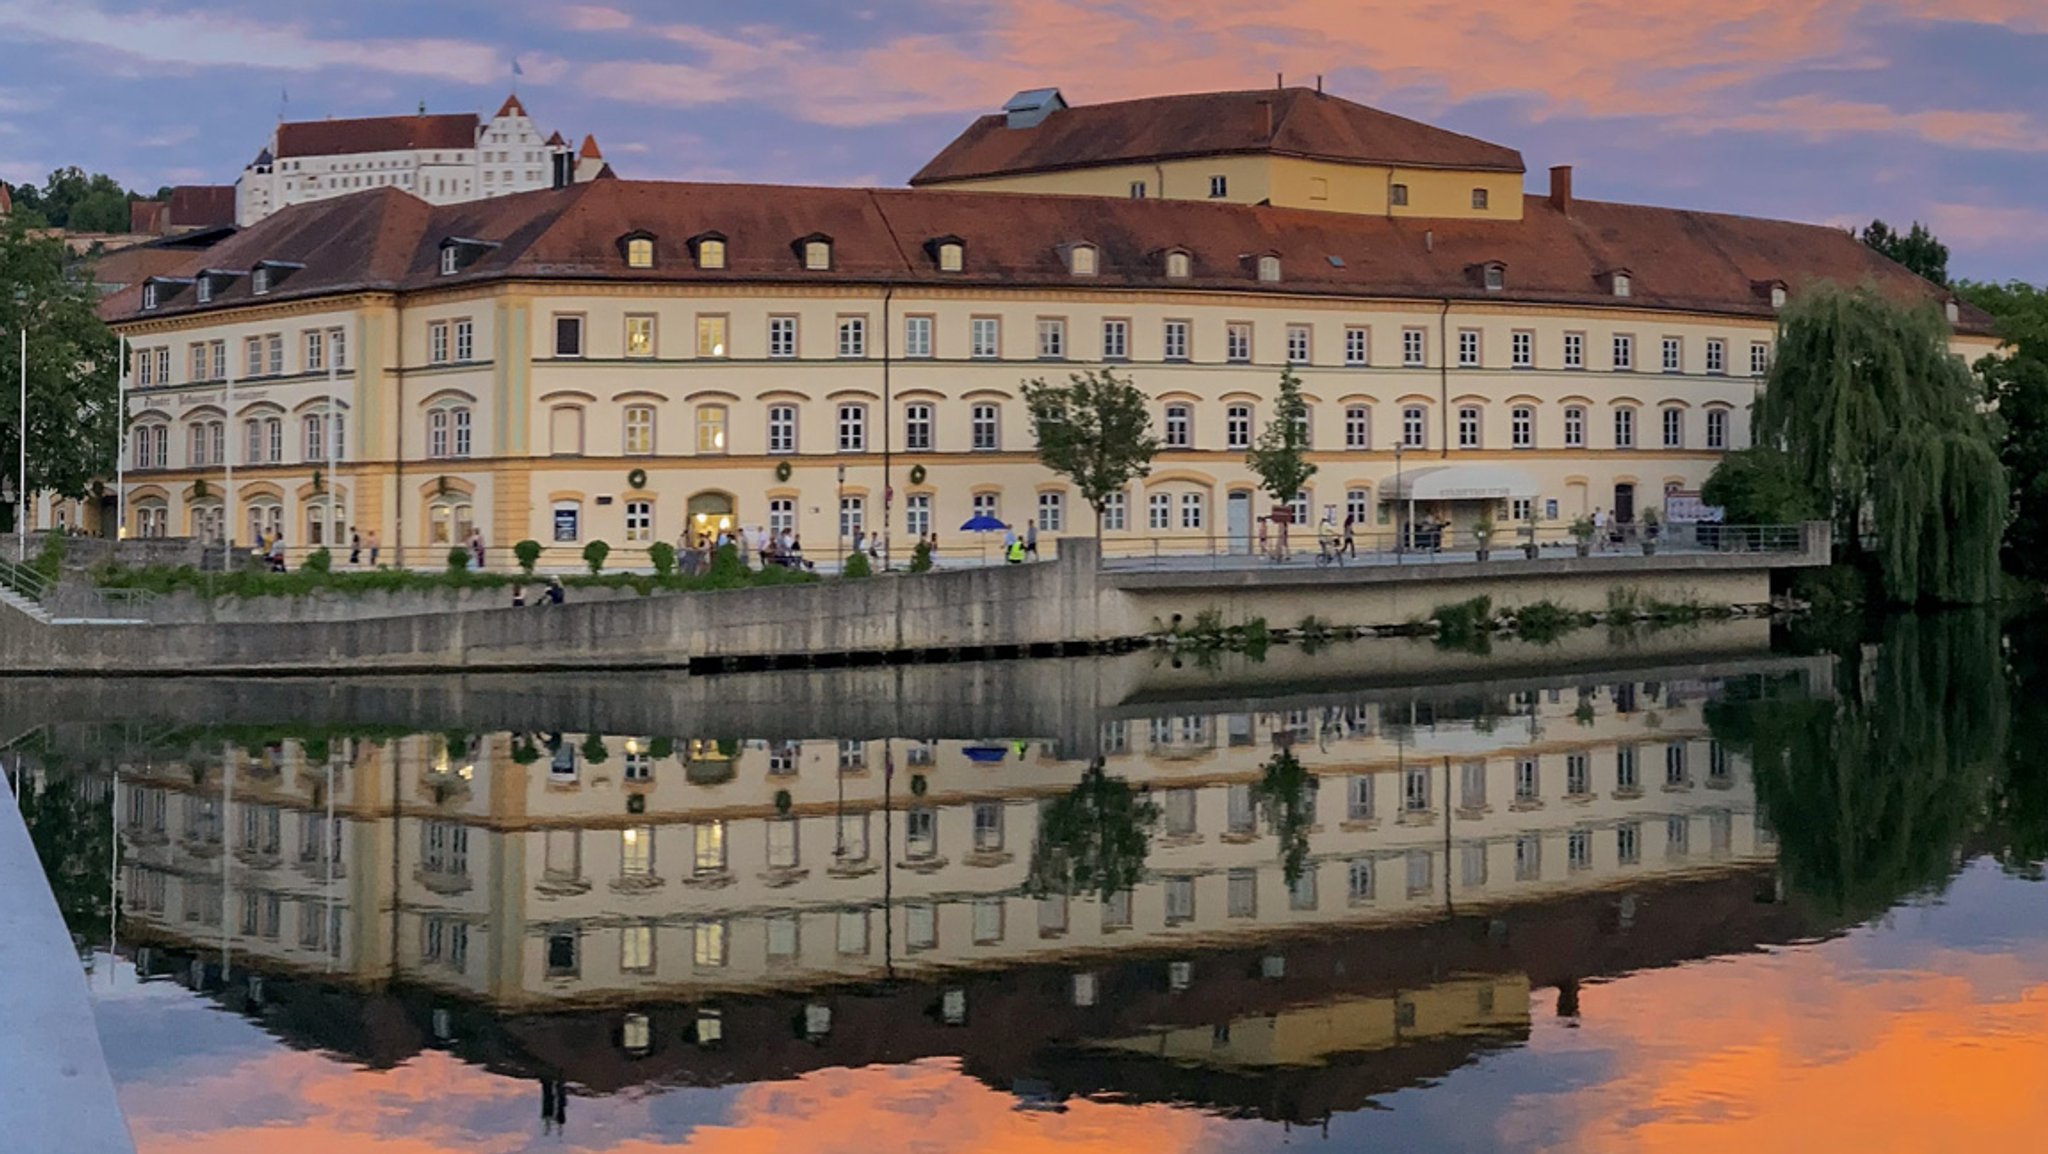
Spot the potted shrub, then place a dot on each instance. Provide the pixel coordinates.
(1482, 535)
(528, 553)
(1651, 524)
(1582, 534)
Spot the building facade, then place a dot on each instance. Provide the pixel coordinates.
(638, 361)
(442, 159)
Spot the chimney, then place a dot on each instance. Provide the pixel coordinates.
(1561, 188)
(1319, 84)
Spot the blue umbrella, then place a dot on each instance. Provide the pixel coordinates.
(983, 523)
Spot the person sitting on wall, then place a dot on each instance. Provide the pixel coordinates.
(555, 594)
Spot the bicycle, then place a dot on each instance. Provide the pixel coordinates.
(1329, 553)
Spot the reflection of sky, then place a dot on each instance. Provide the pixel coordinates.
(1927, 1030)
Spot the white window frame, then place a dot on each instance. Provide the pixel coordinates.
(918, 425)
(1522, 427)
(1358, 427)
(853, 427)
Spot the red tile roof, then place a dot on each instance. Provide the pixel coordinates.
(511, 107)
(376, 134)
(202, 205)
(1282, 121)
(146, 217)
(1679, 259)
(589, 150)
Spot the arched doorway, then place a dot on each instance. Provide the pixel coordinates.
(709, 513)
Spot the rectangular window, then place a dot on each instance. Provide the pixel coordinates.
(1624, 428)
(316, 355)
(987, 505)
(1575, 350)
(1522, 427)
(1522, 350)
(437, 343)
(710, 429)
(1528, 779)
(1237, 427)
(1116, 340)
(1191, 510)
(781, 516)
(917, 427)
(853, 428)
(1414, 427)
(985, 425)
(1052, 339)
(711, 336)
(1574, 427)
(1219, 187)
(782, 428)
(465, 340)
(1052, 512)
(1237, 342)
(1357, 347)
(1298, 344)
(1358, 427)
(337, 349)
(1578, 775)
(1180, 422)
(985, 337)
(1759, 359)
(1717, 428)
(917, 336)
(1137, 190)
(273, 345)
(639, 336)
(1113, 513)
(917, 514)
(1176, 341)
(1468, 348)
(1468, 427)
(781, 337)
(1358, 505)
(1674, 354)
(1414, 347)
(252, 358)
(1717, 356)
(1159, 511)
(640, 528)
(568, 335)
(853, 336)
(219, 352)
(1674, 428)
(853, 515)
(1624, 352)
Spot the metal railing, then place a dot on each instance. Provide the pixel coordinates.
(1428, 545)
(24, 580)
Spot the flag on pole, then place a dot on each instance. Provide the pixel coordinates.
(516, 69)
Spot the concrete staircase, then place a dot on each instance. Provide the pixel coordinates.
(16, 601)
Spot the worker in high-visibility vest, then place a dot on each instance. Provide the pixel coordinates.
(1015, 553)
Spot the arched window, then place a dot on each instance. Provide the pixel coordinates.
(952, 256)
(640, 252)
(1081, 260)
(152, 519)
(639, 430)
(1269, 269)
(265, 519)
(1178, 266)
(711, 253)
(817, 255)
(448, 431)
(450, 520)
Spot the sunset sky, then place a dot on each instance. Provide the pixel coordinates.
(1820, 110)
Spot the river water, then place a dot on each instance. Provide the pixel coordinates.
(1711, 889)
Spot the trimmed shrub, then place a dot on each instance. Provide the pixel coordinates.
(458, 560)
(857, 566)
(528, 553)
(662, 556)
(594, 555)
(318, 561)
(921, 557)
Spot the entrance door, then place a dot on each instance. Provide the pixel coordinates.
(1625, 503)
(1238, 521)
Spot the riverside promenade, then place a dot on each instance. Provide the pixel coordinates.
(1073, 603)
(60, 1097)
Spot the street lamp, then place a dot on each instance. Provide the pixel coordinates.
(840, 513)
(1400, 543)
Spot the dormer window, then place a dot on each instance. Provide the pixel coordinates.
(948, 253)
(1777, 296)
(1494, 277)
(1269, 269)
(817, 254)
(259, 281)
(640, 253)
(1179, 266)
(1081, 260)
(203, 292)
(1624, 284)
(451, 260)
(149, 296)
(1953, 310)
(709, 250)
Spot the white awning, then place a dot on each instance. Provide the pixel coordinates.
(1460, 483)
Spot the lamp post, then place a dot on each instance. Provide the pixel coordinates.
(1400, 541)
(839, 512)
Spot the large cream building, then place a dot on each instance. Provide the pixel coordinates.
(634, 361)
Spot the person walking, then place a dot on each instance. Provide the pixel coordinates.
(1031, 539)
(476, 549)
(355, 546)
(1600, 528)
(371, 543)
(1350, 542)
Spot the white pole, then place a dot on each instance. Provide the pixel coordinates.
(331, 841)
(333, 455)
(121, 447)
(21, 492)
(227, 456)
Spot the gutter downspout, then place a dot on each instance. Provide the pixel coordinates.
(1443, 376)
(888, 424)
(398, 415)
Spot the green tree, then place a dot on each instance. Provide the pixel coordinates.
(1095, 430)
(74, 838)
(2016, 381)
(1916, 248)
(1757, 486)
(74, 422)
(1280, 457)
(1092, 839)
(1882, 422)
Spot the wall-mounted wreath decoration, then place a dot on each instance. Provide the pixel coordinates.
(637, 479)
(782, 470)
(917, 474)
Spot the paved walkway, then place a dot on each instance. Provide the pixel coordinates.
(60, 1099)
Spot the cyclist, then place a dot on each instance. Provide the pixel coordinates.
(1327, 547)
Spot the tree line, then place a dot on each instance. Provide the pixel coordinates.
(70, 198)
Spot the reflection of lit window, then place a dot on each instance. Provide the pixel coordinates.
(1180, 975)
(1084, 989)
(636, 1034)
(817, 1020)
(707, 944)
(953, 1007)
(636, 851)
(853, 932)
(710, 1027)
(710, 846)
(636, 948)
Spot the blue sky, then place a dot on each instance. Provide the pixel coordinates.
(1832, 111)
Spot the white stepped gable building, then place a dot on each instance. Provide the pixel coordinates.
(442, 159)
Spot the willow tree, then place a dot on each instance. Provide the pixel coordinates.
(1887, 428)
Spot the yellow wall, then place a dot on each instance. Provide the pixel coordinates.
(1290, 182)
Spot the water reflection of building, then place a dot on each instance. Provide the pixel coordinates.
(693, 899)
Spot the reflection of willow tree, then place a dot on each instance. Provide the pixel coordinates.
(73, 837)
(1873, 794)
(2020, 808)
(1092, 839)
(1285, 793)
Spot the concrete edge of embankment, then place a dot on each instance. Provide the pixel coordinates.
(60, 1098)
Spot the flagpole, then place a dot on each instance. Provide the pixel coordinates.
(21, 491)
(333, 457)
(227, 457)
(121, 447)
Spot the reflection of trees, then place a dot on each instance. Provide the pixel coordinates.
(1092, 839)
(1285, 793)
(1873, 794)
(74, 838)
(2021, 806)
